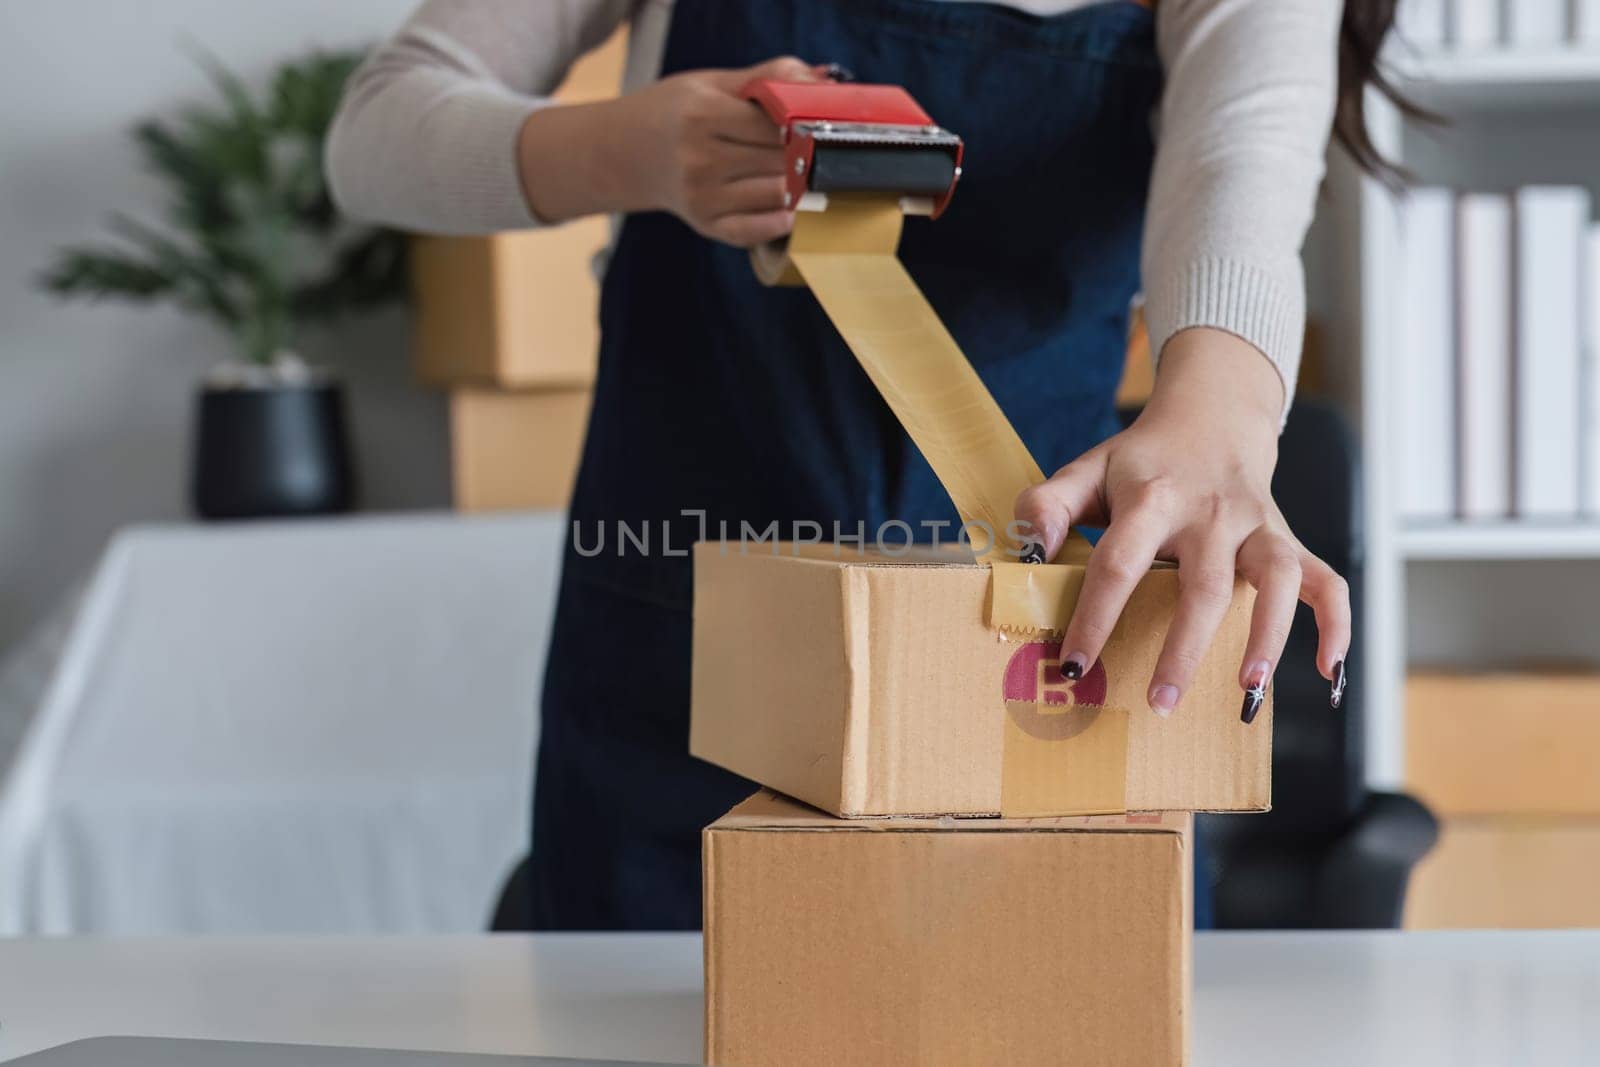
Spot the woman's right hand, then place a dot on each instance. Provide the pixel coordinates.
(688, 144)
(713, 158)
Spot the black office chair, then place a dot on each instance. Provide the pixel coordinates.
(1331, 854)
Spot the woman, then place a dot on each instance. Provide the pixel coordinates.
(717, 396)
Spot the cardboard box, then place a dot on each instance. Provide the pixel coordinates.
(513, 310)
(1509, 872)
(516, 310)
(873, 686)
(1501, 744)
(515, 451)
(1138, 369)
(597, 75)
(928, 942)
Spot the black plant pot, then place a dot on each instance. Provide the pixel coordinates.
(270, 451)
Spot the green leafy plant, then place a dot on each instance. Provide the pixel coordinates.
(251, 238)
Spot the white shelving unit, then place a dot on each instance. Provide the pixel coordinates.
(1503, 79)
(1500, 541)
(1514, 118)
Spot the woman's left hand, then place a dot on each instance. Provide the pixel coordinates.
(1190, 481)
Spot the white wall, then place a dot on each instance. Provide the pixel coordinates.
(94, 402)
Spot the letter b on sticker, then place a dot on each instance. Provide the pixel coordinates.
(1042, 701)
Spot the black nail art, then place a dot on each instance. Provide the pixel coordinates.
(1071, 670)
(839, 73)
(1254, 697)
(1031, 552)
(1336, 694)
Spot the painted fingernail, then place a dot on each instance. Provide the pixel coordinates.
(1252, 705)
(1336, 694)
(1163, 699)
(1073, 666)
(838, 72)
(1255, 691)
(1030, 552)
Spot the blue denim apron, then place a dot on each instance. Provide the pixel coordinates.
(734, 402)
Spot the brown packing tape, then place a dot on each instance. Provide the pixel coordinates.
(846, 254)
(1063, 758)
(1066, 749)
(1028, 599)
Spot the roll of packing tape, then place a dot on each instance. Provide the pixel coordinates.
(846, 255)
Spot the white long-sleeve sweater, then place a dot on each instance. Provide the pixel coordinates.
(426, 139)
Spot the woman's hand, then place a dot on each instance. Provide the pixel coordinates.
(1190, 481)
(688, 144)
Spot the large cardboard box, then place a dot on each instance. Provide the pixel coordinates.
(516, 310)
(1509, 872)
(928, 942)
(1502, 744)
(868, 685)
(515, 451)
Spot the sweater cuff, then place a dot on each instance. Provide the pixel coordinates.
(1239, 298)
(474, 133)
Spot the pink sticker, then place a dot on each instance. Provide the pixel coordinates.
(1034, 689)
(1034, 674)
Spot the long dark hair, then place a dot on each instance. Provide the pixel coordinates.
(1362, 32)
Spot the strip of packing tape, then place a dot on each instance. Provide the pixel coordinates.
(1065, 750)
(846, 255)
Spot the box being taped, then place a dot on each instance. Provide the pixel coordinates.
(921, 941)
(871, 685)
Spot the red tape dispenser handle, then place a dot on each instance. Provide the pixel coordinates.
(852, 138)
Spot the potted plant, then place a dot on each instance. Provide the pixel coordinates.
(251, 241)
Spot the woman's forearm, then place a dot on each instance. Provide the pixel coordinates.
(426, 136)
(1215, 381)
(575, 160)
(1243, 127)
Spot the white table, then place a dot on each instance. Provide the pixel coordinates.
(1417, 1000)
(286, 728)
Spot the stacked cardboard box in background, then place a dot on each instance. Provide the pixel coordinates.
(1509, 763)
(509, 324)
(926, 929)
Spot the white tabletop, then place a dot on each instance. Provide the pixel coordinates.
(1457, 999)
